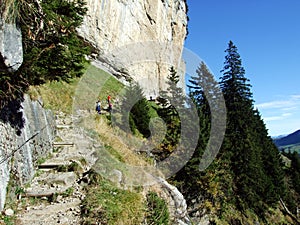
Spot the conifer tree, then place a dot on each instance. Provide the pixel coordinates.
(52, 51)
(246, 140)
(172, 102)
(134, 110)
(203, 90)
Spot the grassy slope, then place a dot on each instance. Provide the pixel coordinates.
(80, 93)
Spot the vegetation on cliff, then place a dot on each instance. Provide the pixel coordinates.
(52, 50)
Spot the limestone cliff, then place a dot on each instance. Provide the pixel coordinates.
(19, 153)
(137, 39)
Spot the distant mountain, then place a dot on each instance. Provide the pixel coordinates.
(289, 140)
(279, 136)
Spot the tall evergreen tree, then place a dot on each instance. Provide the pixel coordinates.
(171, 102)
(134, 110)
(203, 90)
(246, 142)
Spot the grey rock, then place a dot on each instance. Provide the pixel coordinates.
(37, 121)
(11, 48)
(9, 212)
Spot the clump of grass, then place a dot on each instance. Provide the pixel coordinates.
(8, 10)
(73, 167)
(68, 192)
(56, 95)
(107, 204)
(114, 153)
(157, 212)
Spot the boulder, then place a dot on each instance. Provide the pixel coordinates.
(9, 212)
(11, 49)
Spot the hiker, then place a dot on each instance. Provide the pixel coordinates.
(108, 99)
(109, 109)
(98, 107)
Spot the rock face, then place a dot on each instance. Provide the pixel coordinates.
(18, 154)
(11, 50)
(7, 144)
(137, 39)
(177, 201)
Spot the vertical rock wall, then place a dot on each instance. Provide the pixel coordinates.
(137, 38)
(18, 154)
(7, 144)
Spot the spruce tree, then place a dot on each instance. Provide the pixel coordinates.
(203, 90)
(134, 110)
(171, 102)
(246, 143)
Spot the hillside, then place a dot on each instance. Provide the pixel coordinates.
(140, 163)
(290, 142)
(90, 177)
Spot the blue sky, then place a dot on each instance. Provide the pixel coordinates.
(267, 35)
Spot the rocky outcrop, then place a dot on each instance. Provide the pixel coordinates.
(176, 203)
(19, 153)
(137, 39)
(11, 50)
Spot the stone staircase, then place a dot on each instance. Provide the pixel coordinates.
(55, 194)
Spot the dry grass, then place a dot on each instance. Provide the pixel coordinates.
(125, 144)
(120, 154)
(56, 95)
(8, 9)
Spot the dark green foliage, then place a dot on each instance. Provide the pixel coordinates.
(52, 51)
(292, 198)
(157, 210)
(190, 174)
(247, 172)
(134, 110)
(171, 104)
(253, 157)
(233, 83)
(51, 47)
(295, 172)
(193, 183)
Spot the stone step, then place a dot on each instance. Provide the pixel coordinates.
(52, 165)
(59, 159)
(64, 213)
(62, 178)
(63, 126)
(56, 144)
(40, 192)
